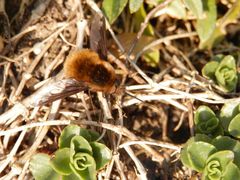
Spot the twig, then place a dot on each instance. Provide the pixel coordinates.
(81, 26)
(24, 170)
(166, 97)
(161, 144)
(17, 110)
(13, 151)
(119, 166)
(39, 138)
(109, 168)
(140, 168)
(64, 40)
(216, 100)
(57, 60)
(162, 40)
(60, 26)
(146, 21)
(105, 107)
(8, 59)
(28, 75)
(106, 111)
(22, 33)
(33, 125)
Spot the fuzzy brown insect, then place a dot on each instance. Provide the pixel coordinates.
(83, 69)
(86, 66)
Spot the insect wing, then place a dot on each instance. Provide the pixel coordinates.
(57, 90)
(98, 36)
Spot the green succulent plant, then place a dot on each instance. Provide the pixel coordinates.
(214, 151)
(79, 157)
(220, 166)
(207, 122)
(222, 71)
(215, 159)
(230, 118)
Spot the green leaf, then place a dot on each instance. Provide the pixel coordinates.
(94, 135)
(88, 134)
(206, 120)
(70, 177)
(112, 8)
(154, 2)
(208, 126)
(206, 25)
(231, 172)
(176, 9)
(82, 161)
(41, 169)
(79, 144)
(84, 166)
(101, 154)
(217, 163)
(203, 113)
(195, 155)
(227, 143)
(229, 62)
(184, 154)
(134, 5)
(219, 33)
(60, 163)
(219, 131)
(139, 17)
(234, 126)
(223, 157)
(231, 16)
(69, 132)
(218, 57)
(226, 74)
(196, 7)
(212, 171)
(228, 112)
(184, 157)
(152, 58)
(209, 70)
(126, 40)
(200, 137)
(199, 152)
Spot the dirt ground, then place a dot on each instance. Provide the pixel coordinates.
(144, 126)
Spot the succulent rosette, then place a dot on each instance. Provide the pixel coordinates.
(216, 158)
(223, 71)
(220, 166)
(207, 122)
(230, 118)
(79, 156)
